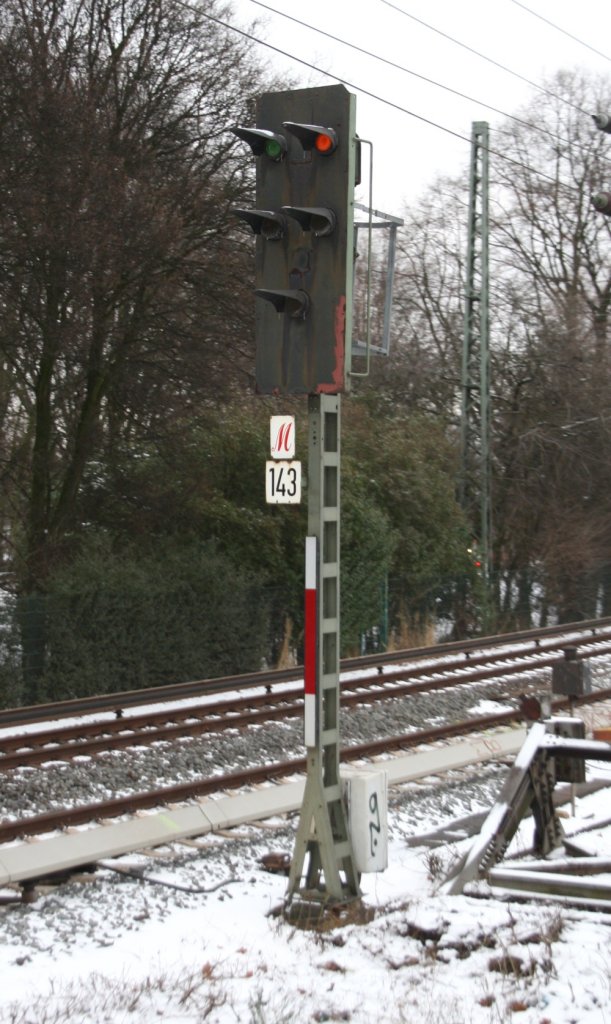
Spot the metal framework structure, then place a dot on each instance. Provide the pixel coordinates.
(323, 865)
(308, 166)
(390, 224)
(554, 750)
(474, 490)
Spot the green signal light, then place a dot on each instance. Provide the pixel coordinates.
(262, 141)
(274, 149)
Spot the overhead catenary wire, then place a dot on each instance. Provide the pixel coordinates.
(483, 56)
(564, 32)
(327, 74)
(401, 67)
(367, 92)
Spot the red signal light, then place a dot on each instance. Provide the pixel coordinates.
(324, 143)
(313, 136)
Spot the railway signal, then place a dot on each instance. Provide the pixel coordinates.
(601, 201)
(306, 151)
(603, 122)
(305, 147)
(262, 142)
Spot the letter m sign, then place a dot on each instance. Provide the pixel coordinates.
(282, 437)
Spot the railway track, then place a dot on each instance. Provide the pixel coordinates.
(62, 818)
(506, 645)
(440, 668)
(373, 682)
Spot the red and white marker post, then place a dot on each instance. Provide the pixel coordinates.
(310, 654)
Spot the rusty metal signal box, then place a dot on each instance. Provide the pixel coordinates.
(306, 150)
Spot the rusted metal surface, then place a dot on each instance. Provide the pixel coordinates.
(88, 739)
(591, 631)
(602, 734)
(118, 806)
(252, 776)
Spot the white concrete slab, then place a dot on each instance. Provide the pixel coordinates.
(31, 859)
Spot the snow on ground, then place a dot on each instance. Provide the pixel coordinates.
(116, 949)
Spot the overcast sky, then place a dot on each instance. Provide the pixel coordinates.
(408, 152)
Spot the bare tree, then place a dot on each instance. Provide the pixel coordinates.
(550, 272)
(118, 268)
(552, 287)
(422, 371)
(123, 287)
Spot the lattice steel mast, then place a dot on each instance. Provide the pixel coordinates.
(474, 490)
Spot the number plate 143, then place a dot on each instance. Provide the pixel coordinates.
(282, 482)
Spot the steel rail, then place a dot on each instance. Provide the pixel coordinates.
(117, 702)
(90, 738)
(131, 804)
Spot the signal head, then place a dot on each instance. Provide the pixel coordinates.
(293, 301)
(601, 201)
(263, 142)
(603, 122)
(317, 219)
(268, 223)
(313, 136)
